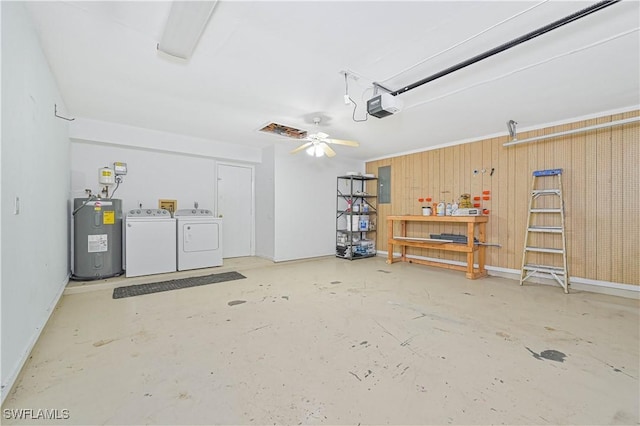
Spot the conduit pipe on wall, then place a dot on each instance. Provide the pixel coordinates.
(574, 131)
(529, 36)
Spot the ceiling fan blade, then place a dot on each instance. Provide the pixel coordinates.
(343, 142)
(321, 135)
(301, 147)
(327, 150)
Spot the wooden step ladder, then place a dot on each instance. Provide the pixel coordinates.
(538, 236)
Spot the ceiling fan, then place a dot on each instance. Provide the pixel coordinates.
(318, 143)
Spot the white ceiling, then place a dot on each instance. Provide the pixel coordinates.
(264, 61)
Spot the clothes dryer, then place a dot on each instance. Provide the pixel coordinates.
(150, 242)
(199, 239)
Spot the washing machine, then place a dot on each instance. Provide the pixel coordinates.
(150, 242)
(199, 239)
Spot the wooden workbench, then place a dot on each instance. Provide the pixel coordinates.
(469, 248)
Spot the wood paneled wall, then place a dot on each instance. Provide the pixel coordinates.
(601, 183)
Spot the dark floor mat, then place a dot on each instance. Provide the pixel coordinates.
(140, 289)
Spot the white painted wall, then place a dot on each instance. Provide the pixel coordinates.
(129, 136)
(305, 203)
(295, 195)
(35, 168)
(151, 175)
(265, 204)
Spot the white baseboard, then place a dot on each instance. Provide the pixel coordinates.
(576, 283)
(309, 257)
(9, 381)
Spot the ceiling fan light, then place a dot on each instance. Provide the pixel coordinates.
(315, 151)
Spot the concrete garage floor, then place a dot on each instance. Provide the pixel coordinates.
(328, 341)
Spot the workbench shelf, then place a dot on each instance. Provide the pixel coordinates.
(355, 218)
(473, 245)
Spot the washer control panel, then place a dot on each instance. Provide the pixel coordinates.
(148, 213)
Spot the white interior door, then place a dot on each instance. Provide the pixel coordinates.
(235, 206)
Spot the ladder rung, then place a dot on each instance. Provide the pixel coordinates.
(545, 268)
(546, 210)
(545, 192)
(544, 250)
(553, 229)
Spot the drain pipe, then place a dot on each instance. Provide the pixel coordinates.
(529, 36)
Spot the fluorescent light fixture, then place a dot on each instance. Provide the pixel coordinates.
(186, 23)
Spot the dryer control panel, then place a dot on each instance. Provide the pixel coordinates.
(193, 212)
